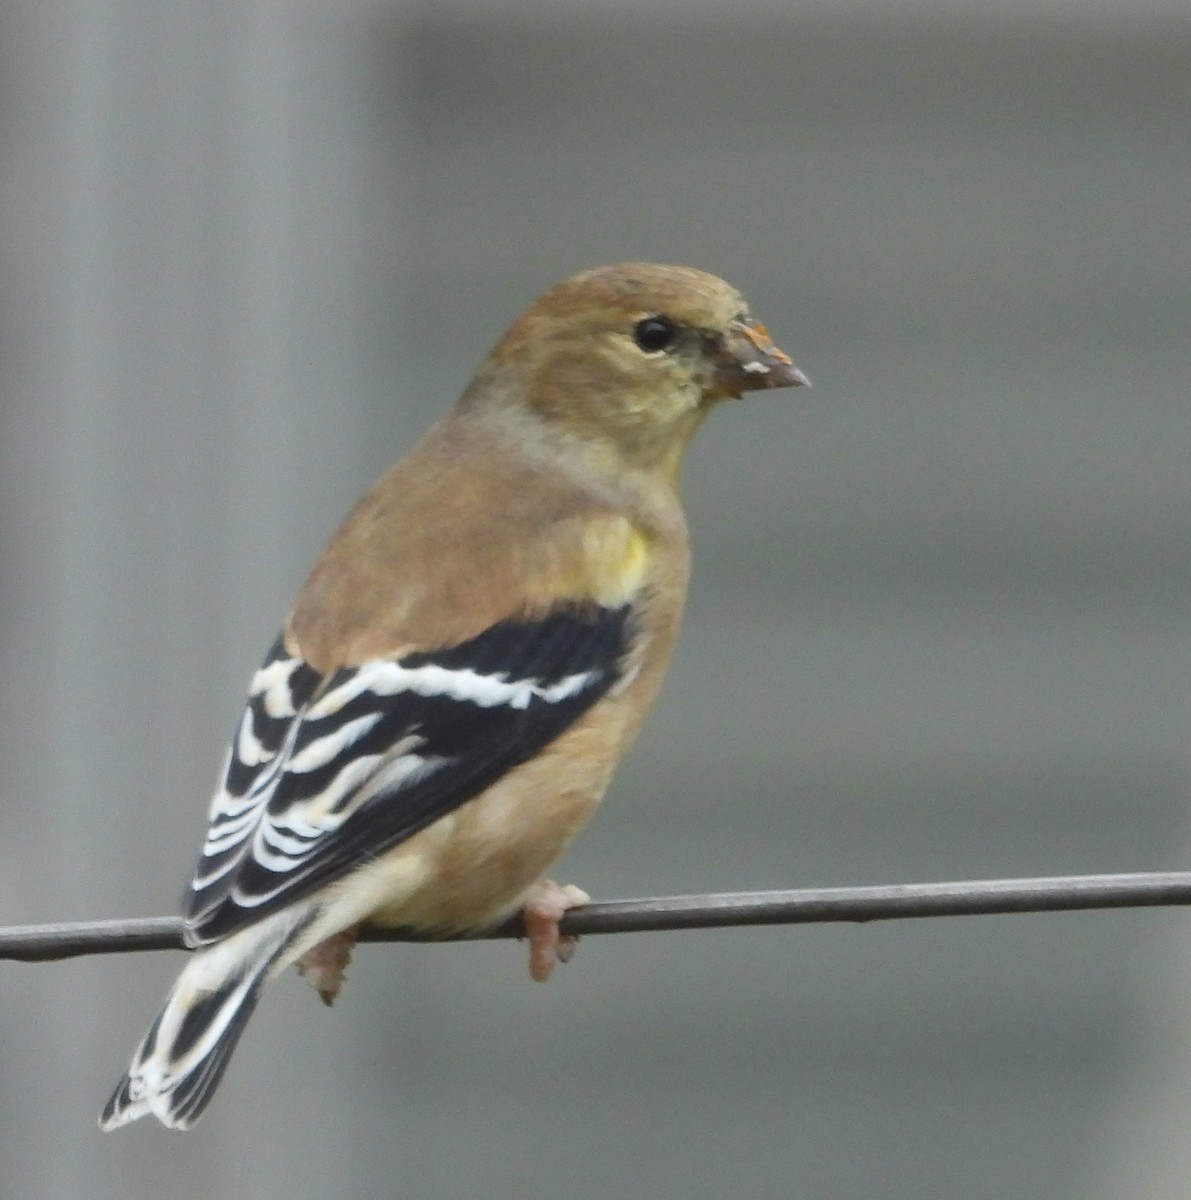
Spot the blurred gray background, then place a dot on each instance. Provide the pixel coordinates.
(939, 627)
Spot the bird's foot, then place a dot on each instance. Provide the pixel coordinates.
(541, 914)
(324, 966)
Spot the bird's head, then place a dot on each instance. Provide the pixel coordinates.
(631, 358)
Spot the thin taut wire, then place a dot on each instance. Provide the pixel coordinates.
(42, 943)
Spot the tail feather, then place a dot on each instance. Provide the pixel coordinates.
(193, 1093)
(180, 1061)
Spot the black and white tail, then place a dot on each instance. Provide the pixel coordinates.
(179, 1063)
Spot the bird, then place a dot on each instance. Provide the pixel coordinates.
(466, 664)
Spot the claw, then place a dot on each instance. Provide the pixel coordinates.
(324, 966)
(541, 914)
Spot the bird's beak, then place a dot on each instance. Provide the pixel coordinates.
(749, 361)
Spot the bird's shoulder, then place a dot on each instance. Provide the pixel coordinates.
(468, 531)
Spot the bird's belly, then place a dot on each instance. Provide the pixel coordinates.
(473, 867)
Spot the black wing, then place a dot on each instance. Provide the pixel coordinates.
(327, 772)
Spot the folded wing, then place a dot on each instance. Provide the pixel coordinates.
(326, 772)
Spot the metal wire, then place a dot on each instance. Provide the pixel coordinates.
(42, 943)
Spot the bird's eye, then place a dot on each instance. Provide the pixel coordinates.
(654, 333)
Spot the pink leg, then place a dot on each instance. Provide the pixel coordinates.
(324, 966)
(541, 914)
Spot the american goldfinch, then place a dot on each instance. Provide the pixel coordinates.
(464, 667)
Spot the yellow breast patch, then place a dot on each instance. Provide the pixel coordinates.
(619, 554)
